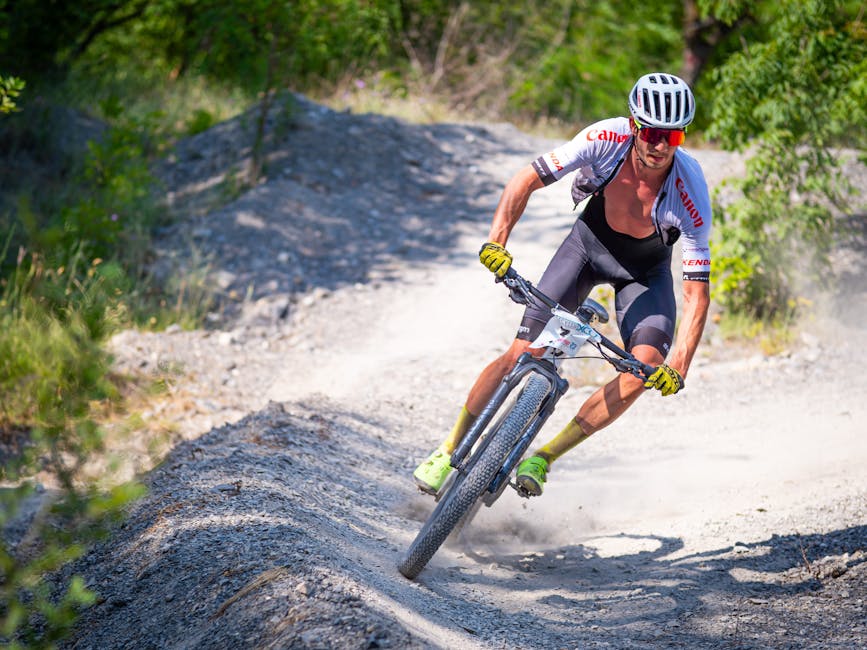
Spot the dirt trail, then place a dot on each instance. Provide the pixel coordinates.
(729, 516)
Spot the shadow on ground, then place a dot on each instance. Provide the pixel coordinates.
(346, 198)
(764, 594)
(286, 527)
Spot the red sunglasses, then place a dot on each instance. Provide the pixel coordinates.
(652, 135)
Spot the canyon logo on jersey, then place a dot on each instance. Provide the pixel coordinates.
(610, 136)
(697, 221)
(682, 211)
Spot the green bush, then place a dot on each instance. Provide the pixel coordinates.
(68, 270)
(36, 612)
(10, 89)
(51, 364)
(793, 100)
(200, 121)
(51, 370)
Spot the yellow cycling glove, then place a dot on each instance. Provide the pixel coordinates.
(496, 258)
(666, 380)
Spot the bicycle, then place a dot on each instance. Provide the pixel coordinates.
(484, 460)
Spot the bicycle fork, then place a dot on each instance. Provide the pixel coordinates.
(525, 365)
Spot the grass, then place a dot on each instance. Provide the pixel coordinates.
(71, 276)
(410, 102)
(175, 108)
(49, 358)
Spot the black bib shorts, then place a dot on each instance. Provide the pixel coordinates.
(639, 270)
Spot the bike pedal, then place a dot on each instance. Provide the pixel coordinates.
(521, 491)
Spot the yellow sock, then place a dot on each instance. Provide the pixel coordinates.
(463, 424)
(571, 435)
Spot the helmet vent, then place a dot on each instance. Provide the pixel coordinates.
(662, 100)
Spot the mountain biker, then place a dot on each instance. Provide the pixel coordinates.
(644, 194)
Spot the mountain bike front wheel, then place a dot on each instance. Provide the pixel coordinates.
(469, 486)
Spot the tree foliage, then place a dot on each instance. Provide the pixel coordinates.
(792, 100)
(587, 57)
(564, 59)
(39, 38)
(10, 89)
(57, 304)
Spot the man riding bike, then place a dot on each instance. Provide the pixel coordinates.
(644, 193)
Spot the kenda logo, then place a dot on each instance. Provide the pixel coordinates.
(696, 262)
(608, 136)
(697, 221)
(556, 161)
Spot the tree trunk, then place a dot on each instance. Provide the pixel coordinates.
(258, 154)
(693, 54)
(701, 37)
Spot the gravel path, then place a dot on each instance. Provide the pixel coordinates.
(354, 316)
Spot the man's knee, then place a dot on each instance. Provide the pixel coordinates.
(650, 337)
(630, 385)
(648, 354)
(510, 358)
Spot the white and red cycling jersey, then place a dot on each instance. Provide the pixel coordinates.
(682, 207)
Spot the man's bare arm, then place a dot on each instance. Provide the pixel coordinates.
(513, 202)
(696, 301)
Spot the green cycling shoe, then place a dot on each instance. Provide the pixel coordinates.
(432, 473)
(531, 475)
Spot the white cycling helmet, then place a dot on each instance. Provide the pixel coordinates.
(662, 100)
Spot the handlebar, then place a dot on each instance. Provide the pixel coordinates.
(524, 292)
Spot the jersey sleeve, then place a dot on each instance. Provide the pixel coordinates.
(554, 165)
(695, 203)
(591, 152)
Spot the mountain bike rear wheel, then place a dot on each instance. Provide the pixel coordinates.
(467, 488)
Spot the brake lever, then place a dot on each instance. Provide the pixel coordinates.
(518, 292)
(519, 296)
(635, 368)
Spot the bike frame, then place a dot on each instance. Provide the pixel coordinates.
(526, 364)
(564, 334)
(489, 452)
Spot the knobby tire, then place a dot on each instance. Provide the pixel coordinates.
(467, 489)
